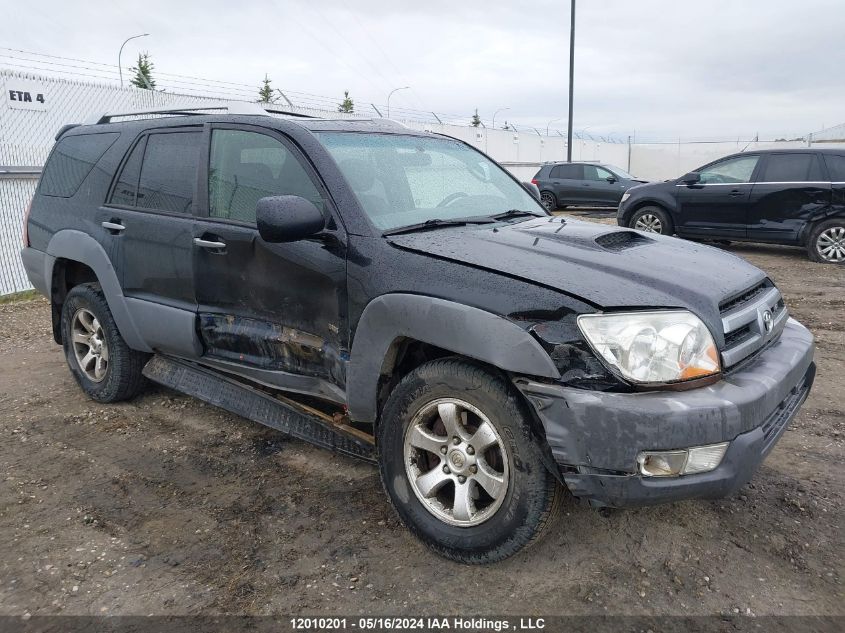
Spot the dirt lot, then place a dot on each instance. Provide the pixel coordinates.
(165, 505)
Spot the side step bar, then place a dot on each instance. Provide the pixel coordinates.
(282, 414)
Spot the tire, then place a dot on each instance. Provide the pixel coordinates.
(826, 243)
(654, 217)
(547, 198)
(113, 371)
(528, 494)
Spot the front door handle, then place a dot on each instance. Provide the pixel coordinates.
(736, 193)
(217, 245)
(113, 226)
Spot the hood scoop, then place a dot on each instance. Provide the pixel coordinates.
(621, 240)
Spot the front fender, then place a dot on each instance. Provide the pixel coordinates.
(458, 328)
(81, 247)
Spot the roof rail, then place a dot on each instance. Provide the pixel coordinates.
(232, 107)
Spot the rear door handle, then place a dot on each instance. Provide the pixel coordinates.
(113, 226)
(736, 193)
(212, 244)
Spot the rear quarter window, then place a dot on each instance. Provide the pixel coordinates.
(71, 161)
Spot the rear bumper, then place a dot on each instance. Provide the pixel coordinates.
(35, 264)
(595, 436)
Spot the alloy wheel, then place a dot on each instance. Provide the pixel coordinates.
(548, 201)
(830, 244)
(89, 345)
(649, 223)
(456, 462)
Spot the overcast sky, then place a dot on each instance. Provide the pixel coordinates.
(660, 68)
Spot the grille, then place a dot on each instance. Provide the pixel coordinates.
(620, 240)
(751, 320)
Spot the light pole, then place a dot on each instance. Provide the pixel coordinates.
(120, 52)
(550, 122)
(390, 95)
(494, 116)
(571, 78)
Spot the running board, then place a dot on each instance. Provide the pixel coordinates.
(282, 414)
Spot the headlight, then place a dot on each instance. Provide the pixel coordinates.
(652, 347)
(625, 196)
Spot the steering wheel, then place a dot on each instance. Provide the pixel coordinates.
(451, 198)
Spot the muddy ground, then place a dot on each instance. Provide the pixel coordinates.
(164, 505)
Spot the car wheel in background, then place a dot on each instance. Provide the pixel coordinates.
(461, 463)
(99, 359)
(548, 200)
(827, 242)
(652, 220)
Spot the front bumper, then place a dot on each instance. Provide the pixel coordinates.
(595, 436)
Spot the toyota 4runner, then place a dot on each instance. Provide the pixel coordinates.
(398, 296)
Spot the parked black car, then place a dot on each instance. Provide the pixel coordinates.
(792, 197)
(398, 296)
(582, 183)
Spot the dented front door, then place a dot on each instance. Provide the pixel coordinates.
(275, 312)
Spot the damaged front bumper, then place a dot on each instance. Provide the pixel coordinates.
(595, 436)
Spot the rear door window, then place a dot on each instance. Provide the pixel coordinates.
(836, 167)
(569, 172)
(169, 172)
(791, 168)
(123, 194)
(71, 161)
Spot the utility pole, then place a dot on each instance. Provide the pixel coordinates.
(571, 79)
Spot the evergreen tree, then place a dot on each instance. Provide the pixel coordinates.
(143, 73)
(476, 120)
(347, 105)
(265, 92)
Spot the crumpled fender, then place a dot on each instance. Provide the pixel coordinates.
(459, 328)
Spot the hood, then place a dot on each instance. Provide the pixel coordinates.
(609, 267)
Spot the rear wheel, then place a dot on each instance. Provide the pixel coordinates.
(548, 199)
(652, 219)
(99, 359)
(461, 465)
(827, 242)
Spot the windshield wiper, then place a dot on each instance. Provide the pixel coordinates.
(514, 213)
(437, 222)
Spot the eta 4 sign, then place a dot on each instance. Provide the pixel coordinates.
(26, 95)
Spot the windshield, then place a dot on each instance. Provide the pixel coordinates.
(405, 180)
(620, 172)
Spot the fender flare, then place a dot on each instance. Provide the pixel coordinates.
(81, 247)
(459, 328)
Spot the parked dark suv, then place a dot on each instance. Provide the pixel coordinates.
(398, 296)
(582, 183)
(794, 197)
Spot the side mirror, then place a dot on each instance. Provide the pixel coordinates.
(533, 189)
(287, 218)
(691, 178)
(611, 179)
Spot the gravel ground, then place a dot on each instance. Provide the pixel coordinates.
(164, 505)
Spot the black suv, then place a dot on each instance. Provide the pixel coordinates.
(794, 197)
(582, 184)
(398, 296)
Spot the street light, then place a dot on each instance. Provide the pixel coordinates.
(119, 67)
(571, 78)
(550, 122)
(494, 116)
(391, 94)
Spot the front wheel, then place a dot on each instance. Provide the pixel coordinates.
(461, 463)
(827, 242)
(652, 220)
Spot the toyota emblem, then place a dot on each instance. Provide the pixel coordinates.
(768, 321)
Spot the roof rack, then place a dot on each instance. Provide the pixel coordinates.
(232, 107)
